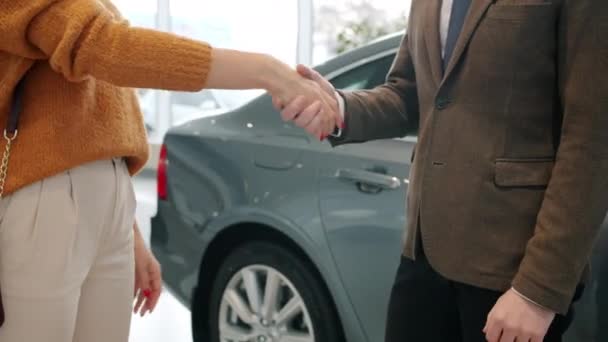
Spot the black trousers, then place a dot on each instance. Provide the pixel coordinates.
(426, 307)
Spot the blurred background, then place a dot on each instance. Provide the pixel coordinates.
(295, 31)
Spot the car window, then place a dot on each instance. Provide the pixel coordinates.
(368, 76)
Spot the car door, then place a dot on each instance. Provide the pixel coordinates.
(591, 310)
(362, 191)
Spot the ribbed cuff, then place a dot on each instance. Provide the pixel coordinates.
(338, 131)
(188, 65)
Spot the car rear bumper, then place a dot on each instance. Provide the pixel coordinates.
(178, 248)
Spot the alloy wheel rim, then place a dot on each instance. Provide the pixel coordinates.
(260, 304)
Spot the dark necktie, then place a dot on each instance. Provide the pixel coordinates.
(459, 13)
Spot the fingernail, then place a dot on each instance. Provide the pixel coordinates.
(147, 293)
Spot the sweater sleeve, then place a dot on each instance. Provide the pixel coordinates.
(82, 39)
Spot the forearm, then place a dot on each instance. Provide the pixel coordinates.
(232, 69)
(376, 114)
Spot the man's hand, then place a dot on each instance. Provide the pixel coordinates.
(312, 75)
(514, 319)
(308, 116)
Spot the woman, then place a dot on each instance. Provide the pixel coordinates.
(68, 239)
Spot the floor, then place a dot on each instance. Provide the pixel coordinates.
(170, 322)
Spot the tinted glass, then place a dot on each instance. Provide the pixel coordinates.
(366, 76)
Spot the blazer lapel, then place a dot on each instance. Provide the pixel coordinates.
(476, 12)
(432, 39)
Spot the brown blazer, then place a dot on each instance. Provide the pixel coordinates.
(510, 182)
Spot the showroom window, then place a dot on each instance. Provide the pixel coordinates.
(232, 24)
(283, 28)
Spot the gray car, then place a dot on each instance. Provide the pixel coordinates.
(269, 235)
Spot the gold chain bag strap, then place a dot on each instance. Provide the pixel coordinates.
(10, 134)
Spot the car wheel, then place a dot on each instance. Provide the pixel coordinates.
(265, 293)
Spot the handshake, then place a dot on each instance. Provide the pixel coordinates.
(310, 101)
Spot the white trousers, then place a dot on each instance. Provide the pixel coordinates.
(66, 257)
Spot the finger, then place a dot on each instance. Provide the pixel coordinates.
(337, 120)
(153, 299)
(136, 287)
(326, 126)
(522, 336)
(308, 114)
(313, 75)
(144, 292)
(147, 294)
(140, 300)
(315, 126)
(277, 104)
(294, 108)
(331, 118)
(305, 71)
(508, 335)
(156, 288)
(335, 110)
(331, 123)
(492, 331)
(144, 305)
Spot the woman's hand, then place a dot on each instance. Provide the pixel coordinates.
(148, 281)
(232, 69)
(301, 115)
(291, 91)
(321, 115)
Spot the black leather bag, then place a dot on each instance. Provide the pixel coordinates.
(10, 134)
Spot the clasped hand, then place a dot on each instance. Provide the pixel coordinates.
(309, 101)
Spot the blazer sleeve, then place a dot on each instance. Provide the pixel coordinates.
(576, 199)
(388, 111)
(84, 38)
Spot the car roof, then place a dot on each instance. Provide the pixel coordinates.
(379, 46)
(336, 65)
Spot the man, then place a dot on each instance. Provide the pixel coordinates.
(509, 183)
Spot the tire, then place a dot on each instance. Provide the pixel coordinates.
(256, 261)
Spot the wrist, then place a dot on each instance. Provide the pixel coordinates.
(276, 76)
(529, 301)
(138, 239)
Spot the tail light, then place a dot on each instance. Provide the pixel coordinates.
(161, 174)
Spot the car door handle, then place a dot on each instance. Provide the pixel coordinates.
(370, 178)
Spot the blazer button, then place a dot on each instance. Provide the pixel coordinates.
(442, 103)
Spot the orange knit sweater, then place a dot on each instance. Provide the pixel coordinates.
(81, 60)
